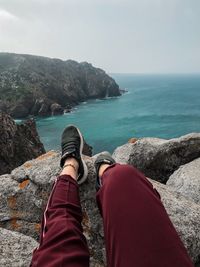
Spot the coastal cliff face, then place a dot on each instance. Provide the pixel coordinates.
(18, 143)
(33, 85)
(25, 191)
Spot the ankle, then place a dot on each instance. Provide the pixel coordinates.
(73, 161)
(71, 167)
(102, 169)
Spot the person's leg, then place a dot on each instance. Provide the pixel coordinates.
(62, 242)
(137, 229)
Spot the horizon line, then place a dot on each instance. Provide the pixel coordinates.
(155, 73)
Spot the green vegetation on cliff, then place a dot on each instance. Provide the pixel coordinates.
(33, 85)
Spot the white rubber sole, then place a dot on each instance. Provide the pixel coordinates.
(85, 174)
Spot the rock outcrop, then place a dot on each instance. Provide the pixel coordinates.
(25, 191)
(186, 180)
(56, 109)
(159, 158)
(33, 85)
(15, 249)
(18, 143)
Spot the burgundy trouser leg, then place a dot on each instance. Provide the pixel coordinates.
(62, 242)
(138, 231)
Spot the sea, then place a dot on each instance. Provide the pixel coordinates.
(164, 106)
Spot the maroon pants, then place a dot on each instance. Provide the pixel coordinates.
(137, 229)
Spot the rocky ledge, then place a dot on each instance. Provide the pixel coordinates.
(24, 193)
(33, 85)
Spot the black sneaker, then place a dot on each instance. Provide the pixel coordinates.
(72, 146)
(104, 158)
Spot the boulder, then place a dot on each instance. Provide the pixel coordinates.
(184, 215)
(159, 158)
(186, 180)
(56, 109)
(18, 143)
(25, 191)
(15, 249)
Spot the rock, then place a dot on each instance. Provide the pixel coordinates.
(36, 107)
(186, 180)
(67, 108)
(44, 108)
(19, 111)
(56, 109)
(184, 215)
(159, 158)
(15, 249)
(24, 194)
(123, 91)
(122, 153)
(3, 106)
(29, 85)
(18, 143)
(22, 107)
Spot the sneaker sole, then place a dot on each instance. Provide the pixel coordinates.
(85, 174)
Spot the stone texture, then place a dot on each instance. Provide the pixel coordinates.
(186, 180)
(18, 143)
(24, 194)
(185, 216)
(15, 249)
(159, 158)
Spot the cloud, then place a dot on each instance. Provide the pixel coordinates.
(5, 15)
(116, 35)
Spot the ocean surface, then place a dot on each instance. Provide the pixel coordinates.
(164, 106)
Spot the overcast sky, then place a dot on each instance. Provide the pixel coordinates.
(148, 36)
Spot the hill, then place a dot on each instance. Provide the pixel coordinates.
(34, 85)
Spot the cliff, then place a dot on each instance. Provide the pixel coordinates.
(25, 191)
(33, 85)
(18, 143)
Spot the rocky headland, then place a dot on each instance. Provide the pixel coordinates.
(24, 193)
(40, 86)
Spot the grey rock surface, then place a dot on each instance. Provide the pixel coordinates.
(159, 158)
(15, 249)
(18, 143)
(186, 180)
(184, 215)
(24, 194)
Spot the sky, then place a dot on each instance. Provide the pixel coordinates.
(120, 36)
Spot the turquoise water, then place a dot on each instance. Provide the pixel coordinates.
(162, 106)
